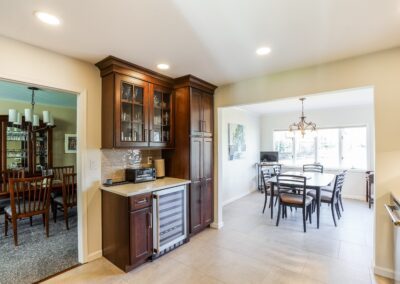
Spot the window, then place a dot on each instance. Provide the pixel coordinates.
(332, 147)
(283, 143)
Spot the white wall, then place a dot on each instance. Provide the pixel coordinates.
(239, 176)
(354, 186)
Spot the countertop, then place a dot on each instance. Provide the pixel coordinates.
(132, 189)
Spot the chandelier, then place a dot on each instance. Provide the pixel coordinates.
(15, 117)
(303, 125)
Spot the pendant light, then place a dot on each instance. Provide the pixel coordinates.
(303, 125)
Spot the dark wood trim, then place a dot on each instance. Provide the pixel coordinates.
(193, 81)
(58, 273)
(113, 64)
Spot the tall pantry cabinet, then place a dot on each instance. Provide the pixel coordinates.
(194, 144)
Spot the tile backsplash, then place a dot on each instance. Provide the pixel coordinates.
(114, 162)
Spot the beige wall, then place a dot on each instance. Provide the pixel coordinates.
(380, 70)
(26, 63)
(65, 119)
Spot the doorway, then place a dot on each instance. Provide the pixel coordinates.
(38, 138)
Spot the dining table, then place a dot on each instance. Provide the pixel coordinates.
(314, 181)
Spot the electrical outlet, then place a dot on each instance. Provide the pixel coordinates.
(150, 160)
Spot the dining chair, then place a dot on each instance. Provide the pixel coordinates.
(332, 198)
(68, 198)
(314, 168)
(277, 169)
(296, 199)
(4, 193)
(58, 173)
(29, 197)
(369, 188)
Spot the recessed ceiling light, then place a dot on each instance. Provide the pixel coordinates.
(47, 18)
(163, 66)
(263, 50)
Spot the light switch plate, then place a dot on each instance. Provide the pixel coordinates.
(150, 160)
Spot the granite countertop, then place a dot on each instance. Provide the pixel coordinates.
(132, 189)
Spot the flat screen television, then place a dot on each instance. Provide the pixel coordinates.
(269, 157)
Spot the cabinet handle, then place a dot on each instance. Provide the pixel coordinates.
(141, 201)
(201, 125)
(204, 126)
(150, 220)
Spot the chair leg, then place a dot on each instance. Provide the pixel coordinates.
(66, 216)
(30, 220)
(14, 223)
(5, 224)
(279, 214)
(276, 200)
(333, 214)
(309, 212)
(341, 202)
(55, 212)
(265, 202)
(338, 210)
(47, 223)
(304, 219)
(44, 220)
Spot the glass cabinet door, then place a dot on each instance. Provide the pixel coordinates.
(132, 111)
(16, 148)
(161, 117)
(41, 150)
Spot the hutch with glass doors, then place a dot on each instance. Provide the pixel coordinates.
(137, 106)
(24, 147)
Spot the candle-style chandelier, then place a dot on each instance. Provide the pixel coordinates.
(303, 125)
(15, 117)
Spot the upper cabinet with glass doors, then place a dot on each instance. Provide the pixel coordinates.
(137, 106)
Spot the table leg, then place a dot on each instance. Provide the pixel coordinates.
(272, 200)
(318, 205)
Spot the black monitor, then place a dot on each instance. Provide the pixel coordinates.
(269, 157)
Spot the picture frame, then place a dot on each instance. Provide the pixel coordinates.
(70, 143)
(236, 141)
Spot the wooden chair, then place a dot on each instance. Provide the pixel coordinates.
(29, 197)
(332, 198)
(277, 169)
(68, 198)
(369, 178)
(266, 175)
(58, 173)
(297, 198)
(314, 168)
(4, 193)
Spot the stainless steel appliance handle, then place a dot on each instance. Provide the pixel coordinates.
(395, 219)
(158, 223)
(151, 220)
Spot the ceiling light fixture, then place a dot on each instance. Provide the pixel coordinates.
(47, 18)
(263, 50)
(303, 125)
(163, 66)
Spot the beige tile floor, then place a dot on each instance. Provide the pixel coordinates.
(251, 249)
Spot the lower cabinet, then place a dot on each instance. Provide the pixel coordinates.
(127, 229)
(201, 187)
(141, 235)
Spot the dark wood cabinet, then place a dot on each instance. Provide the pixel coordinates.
(141, 235)
(194, 147)
(127, 231)
(25, 147)
(137, 106)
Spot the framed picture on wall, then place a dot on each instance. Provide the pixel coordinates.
(70, 143)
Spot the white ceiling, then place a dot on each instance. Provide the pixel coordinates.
(331, 100)
(212, 39)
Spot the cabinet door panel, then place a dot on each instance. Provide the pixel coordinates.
(196, 113)
(207, 105)
(141, 236)
(131, 112)
(196, 173)
(208, 192)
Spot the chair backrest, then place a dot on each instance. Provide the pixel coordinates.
(69, 189)
(339, 180)
(315, 168)
(59, 172)
(265, 175)
(30, 196)
(296, 182)
(6, 175)
(277, 169)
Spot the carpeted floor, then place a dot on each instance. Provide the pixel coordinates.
(36, 256)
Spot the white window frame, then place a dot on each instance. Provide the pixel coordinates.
(340, 133)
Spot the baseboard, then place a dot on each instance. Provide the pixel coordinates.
(216, 225)
(94, 255)
(356, 197)
(230, 200)
(385, 272)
